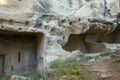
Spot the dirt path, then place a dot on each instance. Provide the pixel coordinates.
(103, 69)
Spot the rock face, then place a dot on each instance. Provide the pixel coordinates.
(116, 52)
(86, 25)
(61, 26)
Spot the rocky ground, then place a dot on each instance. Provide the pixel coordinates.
(103, 69)
(100, 66)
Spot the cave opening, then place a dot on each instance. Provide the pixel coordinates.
(93, 43)
(20, 52)
(75, 42)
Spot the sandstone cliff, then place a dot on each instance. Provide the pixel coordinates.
(68, 25)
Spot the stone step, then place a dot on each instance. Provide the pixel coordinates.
(106, 77)
(103, 71)
(103, 74)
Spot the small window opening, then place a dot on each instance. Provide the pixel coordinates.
(70, 23)
(63, 21)
(12, 68)
(11, 22)
(19, 57)
(79, 19)
(26, 23)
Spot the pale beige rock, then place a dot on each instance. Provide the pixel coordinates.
(15, 77)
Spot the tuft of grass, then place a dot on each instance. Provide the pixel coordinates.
(83, 57)
(33, 76)
(69, 69)
(104, 54)
(6, 78)
(115, 63)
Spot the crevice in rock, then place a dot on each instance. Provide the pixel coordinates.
(105, 8)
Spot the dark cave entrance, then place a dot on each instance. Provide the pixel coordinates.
(75, 42)
(19, 52)
(92, 43)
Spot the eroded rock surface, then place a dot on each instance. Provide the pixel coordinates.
(92, 22)
(89, 22)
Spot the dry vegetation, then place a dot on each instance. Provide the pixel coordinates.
(69, 69)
